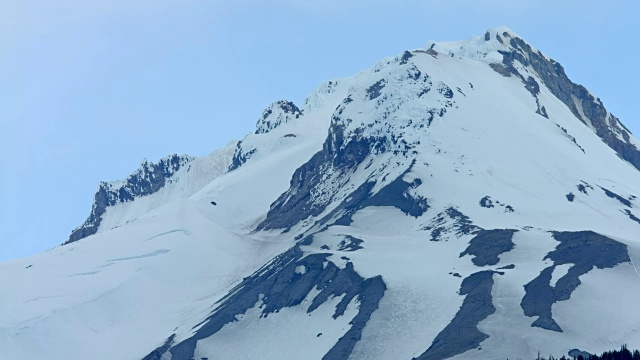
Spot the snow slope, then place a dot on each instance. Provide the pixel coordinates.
(454, 201)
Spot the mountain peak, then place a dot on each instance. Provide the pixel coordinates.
(504, 30)
(486, 46)
(276, 114)
(510, 55)
(465, 186)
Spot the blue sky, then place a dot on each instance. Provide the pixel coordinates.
(90, 88)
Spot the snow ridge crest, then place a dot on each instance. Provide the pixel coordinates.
(147, 179)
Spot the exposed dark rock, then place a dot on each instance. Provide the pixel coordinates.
(585, 250)
(547, 324)
(157, 353)
(532, 86)
(148, 179)
(375, 90)
(542, 111)
(370, 293)
(432, 52)
(405, 57)
(278, 285)
(445, 90)
(575, 353)
(583, 187)
(349, 205)
(350, 243)
(415, 74)
(487, 246)
(573, 139)
(276, 114)
(538, 299)
(631, 216)
(500, 69)
(340, 156)
(462, 333)
(575, 96)
(486, 202)
(613, 195)
(295, 204)
(507, 267)
(397, 194)
(570, 197)
(240, 156)
(451, 221)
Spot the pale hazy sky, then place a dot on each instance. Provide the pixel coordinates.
(90, 88)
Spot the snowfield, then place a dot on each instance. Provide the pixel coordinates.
(446, 203)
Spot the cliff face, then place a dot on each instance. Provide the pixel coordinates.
(584, 105)
(276, 114)
(146, 180)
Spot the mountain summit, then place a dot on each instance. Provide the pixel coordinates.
(465, 200)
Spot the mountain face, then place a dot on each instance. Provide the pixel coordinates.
(148, 179)
(465, 200)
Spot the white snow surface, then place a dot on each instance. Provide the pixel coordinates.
(158, 264)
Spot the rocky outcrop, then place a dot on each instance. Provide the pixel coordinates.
(487, 246)
(584, 251)
(286, 282)
(462, 333)
(339, 156)
(240, 156)
(276, 114)
(148, 179)
(578, 99)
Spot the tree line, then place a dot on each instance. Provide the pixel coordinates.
(623, 354)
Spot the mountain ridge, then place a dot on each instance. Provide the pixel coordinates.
(445, 203)
(500, 47)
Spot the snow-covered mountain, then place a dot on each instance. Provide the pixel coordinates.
(465, 200)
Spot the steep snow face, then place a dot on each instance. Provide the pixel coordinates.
(124, 288)
(446, 203)
(183, 184)
(462, 131)
(172, 178)
(308, 125)
(178, 177)
(508, 54)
